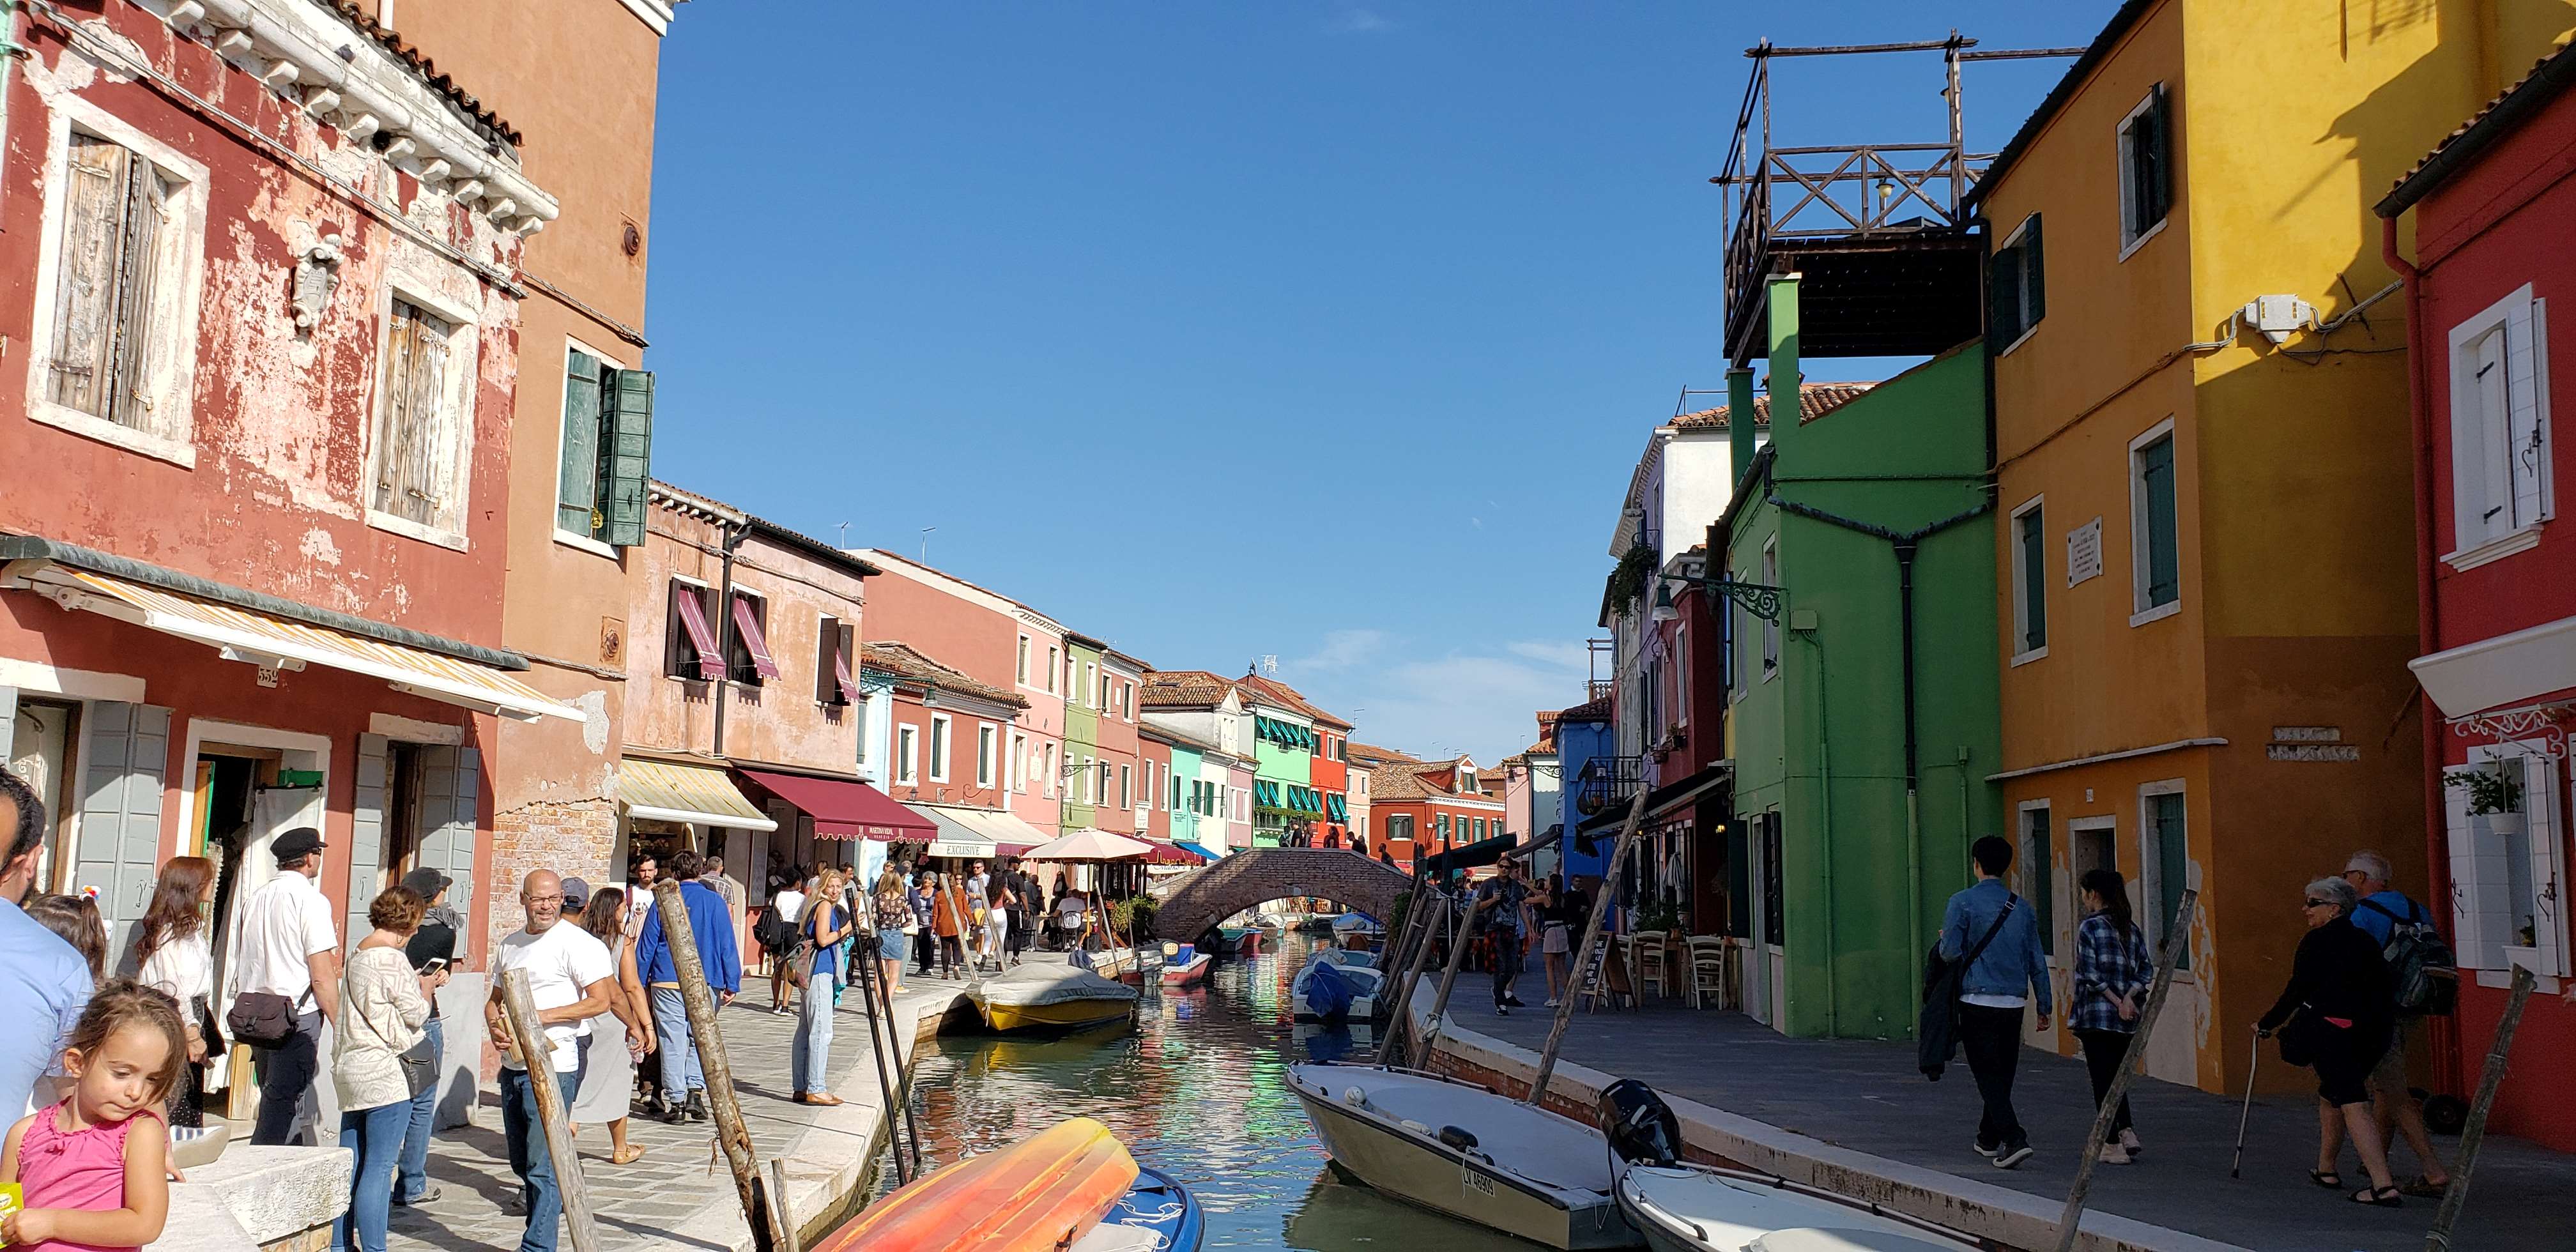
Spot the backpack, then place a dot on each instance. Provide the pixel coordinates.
(2419, 961)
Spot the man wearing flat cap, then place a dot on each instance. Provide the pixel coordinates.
(288, 947)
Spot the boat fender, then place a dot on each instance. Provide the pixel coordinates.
(1458, 1137)
(1355, 1097)
(1416, 1127)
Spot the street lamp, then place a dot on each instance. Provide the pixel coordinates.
(1762, 601)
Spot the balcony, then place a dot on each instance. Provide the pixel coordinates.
(1599, 689)
(1607, 782)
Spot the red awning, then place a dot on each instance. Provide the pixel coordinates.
(843, 809)
(693, 619)
(841, 675)
(745, 621)
(1166, 854)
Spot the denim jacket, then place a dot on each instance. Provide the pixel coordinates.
(2012, 964)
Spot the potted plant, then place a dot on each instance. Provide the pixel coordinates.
(2495, 799)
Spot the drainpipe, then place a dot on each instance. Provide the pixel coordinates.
(734, 535)
(2446, 1039)
(1905, 551)
(1825, 821)
(10, 51)
(1740, 426)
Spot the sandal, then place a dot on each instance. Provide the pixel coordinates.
(2381, 1197)
(627, 1157)
(2326, 1178)
(2425, 1187)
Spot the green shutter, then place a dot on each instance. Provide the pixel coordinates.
(2157, 171)
(2034, 276)
(2003, 294)
(2172, 847)
(626, 453)
(2034, 581)
(2164, 564)
(577, 490)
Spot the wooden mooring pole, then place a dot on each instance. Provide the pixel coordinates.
(1583, 957)
(1433, 906)
(732, 1134)
(1448, 979)
(519, 1012)
(2474, 1133)
(2175, 936)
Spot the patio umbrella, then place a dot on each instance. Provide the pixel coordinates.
(1088, 845)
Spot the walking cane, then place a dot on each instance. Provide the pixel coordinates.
(2252, 1064)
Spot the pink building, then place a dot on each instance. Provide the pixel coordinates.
(995, 640)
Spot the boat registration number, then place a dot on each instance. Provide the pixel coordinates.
(1478, 1183)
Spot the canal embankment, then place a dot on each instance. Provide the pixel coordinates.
(1856, 1117)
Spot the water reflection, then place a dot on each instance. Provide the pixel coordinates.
(1198, 1089)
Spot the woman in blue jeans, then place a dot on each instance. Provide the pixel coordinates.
(384, 1005)
(822, 929)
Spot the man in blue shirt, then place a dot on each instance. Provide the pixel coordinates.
(2382, 907)
(711, 923)
(2007, 977)
(44, 984)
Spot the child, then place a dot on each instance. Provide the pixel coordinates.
(88, 1180)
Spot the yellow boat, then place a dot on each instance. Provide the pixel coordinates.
(1052, 997)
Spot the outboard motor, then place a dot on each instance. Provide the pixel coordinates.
(1641, 1127)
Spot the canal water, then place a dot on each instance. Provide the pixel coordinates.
(1198, 1090)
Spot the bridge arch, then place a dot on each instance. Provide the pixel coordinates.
(1220, 889)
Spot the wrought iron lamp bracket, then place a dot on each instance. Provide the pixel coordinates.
(1765, 602)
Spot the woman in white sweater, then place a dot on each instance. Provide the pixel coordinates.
(170, 943)
(383, 1005)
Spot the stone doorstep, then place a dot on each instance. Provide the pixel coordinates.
(255, 1197)
(2001, 1215)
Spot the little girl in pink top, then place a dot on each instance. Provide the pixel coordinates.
(90, 1183)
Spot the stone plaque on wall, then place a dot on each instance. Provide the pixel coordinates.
(2084, 552)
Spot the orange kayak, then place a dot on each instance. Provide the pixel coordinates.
(1036, 1195)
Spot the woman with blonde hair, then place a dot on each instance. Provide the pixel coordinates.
(893, 918)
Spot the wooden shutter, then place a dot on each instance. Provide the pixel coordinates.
(367, 834)
(127, 761)
(2164, 564)
(451, 787)
(2525, 425)
(2003, 296)
(626, 452)
(2034, 581)
(137, 277)
(2155, 161)
(2172, 868)
(827, 653)
(577, 484)
(411, 435)
(85, 304)
(2034, 276)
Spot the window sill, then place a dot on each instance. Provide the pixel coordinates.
(2156, 614)
(410, 529)
(2036, 654)
(2494, 550)
(2150, 233)
(2019, 340)
(1770, 672)
(158, 447)
(585, 543)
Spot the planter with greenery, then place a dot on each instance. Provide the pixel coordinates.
(2495, 798)
(1628, 580)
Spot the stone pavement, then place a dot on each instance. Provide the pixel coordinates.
(671, 1198)
(1867, 1096)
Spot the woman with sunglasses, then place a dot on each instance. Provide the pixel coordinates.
(2341, 1005)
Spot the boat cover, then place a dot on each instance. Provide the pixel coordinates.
(1031, 986)
(1328, 994)
(1813, 1239)
(1732, 1212)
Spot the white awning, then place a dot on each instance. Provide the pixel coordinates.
(700, 795)
(2506, 669)
(958, 835)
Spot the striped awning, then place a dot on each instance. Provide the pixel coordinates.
(241, 634)
(701, 795)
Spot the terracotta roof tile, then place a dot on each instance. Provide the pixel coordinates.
(2549, 75)
(490, 123)
(1282, 694)
(1814, 401)
(1596, 711)
(1376, 755)
(1183, 689)
(906, 664)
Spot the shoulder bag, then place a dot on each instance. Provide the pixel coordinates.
(1936, 1033)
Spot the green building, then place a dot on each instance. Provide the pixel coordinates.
(1083, 783)
(1283, 799)
(1877, 521)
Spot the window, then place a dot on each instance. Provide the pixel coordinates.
(1681, 676)
(907, 745)
(605, 456)
(1775, 929)
(1046, 763)
(1479, 824)
(2501, 486)
(1019, 779)
(1771, 630)
(866, 719)
(2015, 286)
(114, 353)
(2509, 885)
(2146, 173)
(1123, 689)
(2164, 859)
(689, 648)
(2155, 556)
(938, 747)
(1440, 825)
(1173, 794)
(416, 477)
(1126, 794)
(1051, 667)
(2030, 582)
(1399, 826)
(833, 682)
(1023, 671)
(985, 744)
(2038, 861)
(747, 658)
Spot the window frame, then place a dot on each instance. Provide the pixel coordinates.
(173, 367)
(2476, 895)
(573, 344)
(1022, 668)
(2041, 887)
(907, 754)
(1054, 654)
(464, 342)
(988, 751)
(1126, 785)
(2150, 910)
(2132, 234)
(2471, 453)
(2021, 304)
(1016, 780)
(676, 633)
(943, 744)
(834, 639)
(2141, 541)
(2027, 582)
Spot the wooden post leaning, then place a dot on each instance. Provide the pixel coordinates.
(2474, 1132)
(1434, 910)
(1448, 979)
(790, 1239)
(1591, 938)
(519, 1011)
(731, 1132)
(2175, 936)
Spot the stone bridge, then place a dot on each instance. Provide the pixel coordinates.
(1220, 889)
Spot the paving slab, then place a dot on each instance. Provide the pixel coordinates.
(1866, 1096)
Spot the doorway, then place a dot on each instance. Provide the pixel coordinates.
(40, 752)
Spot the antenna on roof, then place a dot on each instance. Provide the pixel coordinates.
(845, 533)
(1270, 663)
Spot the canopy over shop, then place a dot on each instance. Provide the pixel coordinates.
(670, 805)
(813, 812)
(1689, 852)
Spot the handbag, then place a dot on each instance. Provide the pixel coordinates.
(2301, 1036)
(419, 1067)
(1936, 1033)
(262, 1019)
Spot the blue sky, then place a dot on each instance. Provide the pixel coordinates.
(1235, 328)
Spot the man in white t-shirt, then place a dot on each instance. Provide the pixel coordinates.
(288, 945)
(570, 979)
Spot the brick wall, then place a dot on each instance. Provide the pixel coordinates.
(1223, 888)
(573, 838)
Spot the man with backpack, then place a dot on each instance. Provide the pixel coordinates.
(2427, 980)
(1990, 938)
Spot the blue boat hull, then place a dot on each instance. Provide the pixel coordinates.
(1161, 1204)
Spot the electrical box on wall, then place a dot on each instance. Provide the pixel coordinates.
(2277, 316)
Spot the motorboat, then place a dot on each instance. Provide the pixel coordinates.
(1357, 931)
(1250, 940)
(1682, 1206)
(1184, 964)
(1035, 1195)
(1158, 1214)
(1052, 997)
(1465, 1151)
(1349, 992)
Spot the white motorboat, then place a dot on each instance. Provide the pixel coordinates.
(1361, 981)
(1681, 1206)
(1466, 1152)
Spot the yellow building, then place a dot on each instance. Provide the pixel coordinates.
(2203, 448)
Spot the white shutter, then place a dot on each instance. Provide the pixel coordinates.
(128, 762)
(8, 724)
(451, 787)
(2524, 455)
(366, 837)
(2478, 910)
(2548, 869)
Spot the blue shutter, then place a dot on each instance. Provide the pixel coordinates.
(626, 454)
(127, 769)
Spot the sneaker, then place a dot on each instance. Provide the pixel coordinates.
(2012, 1156)
(697, 1108)
(2129, 1140)
(516, 1205)
(1502, 1010)
(1984, 1150)
(673, 1115)
(1551, 1002)
(2114, 1154)
(1515, 1002)
(427, 1196)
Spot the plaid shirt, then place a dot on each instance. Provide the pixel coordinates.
(2109, 963)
